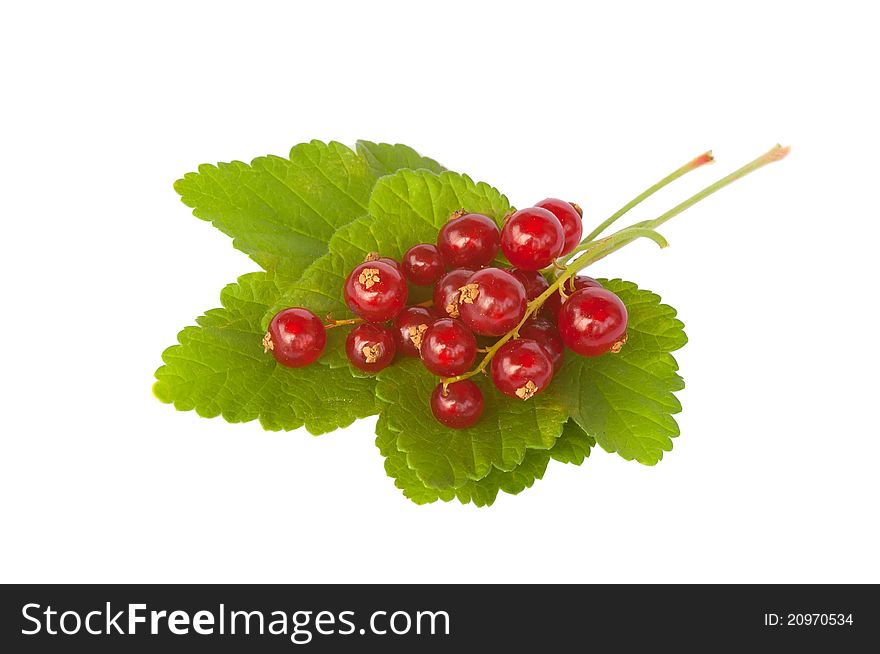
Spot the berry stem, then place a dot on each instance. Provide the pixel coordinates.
(693, 164)
(330, 324)
(776, 153)
(590, 250)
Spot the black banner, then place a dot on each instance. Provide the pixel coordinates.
(319, 618)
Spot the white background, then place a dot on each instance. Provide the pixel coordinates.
(775, 475)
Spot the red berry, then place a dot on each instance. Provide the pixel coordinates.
(370, 347)
(569, 217)
(550, 308)
(296, 337)
(459, 406)
(521, 369)
(411, 325)
(376, 291)
(592, 321)
(471, 239)
(533, 281)
(492, 302)
(422, 264)
(446, 292)
(448, 348)
(545, 334)
(532, 238)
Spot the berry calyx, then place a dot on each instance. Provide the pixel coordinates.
(375, 256)
(457, 406)
(532, 238)
(521, 369)
(370, 347)
(593, 321)
(469, 239)
(533, 281)
(375, 291)
(411, 325)
(492, 302)
(550, 308)
(422, 264)
(296, 337)
(545, 334)
(448, 348)
(446, 292)
(569, 215)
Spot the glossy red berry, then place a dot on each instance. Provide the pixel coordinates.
(521, 369)
(296, 337)
(470, 239)
(446, 292)
(448, 348)
(570, 219)
(411, 325)
(423, 265)
(492, 302)
(550, 308)
(545, 334)
(532, 238)
(533, 281)
(376, 291)
(370, 347)
(459, 406)
(592, 321)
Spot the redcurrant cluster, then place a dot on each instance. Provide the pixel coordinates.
(522, 326)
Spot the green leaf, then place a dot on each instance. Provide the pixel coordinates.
(219, 369)
(573, 445)
(445, 458)
(626, 401)
(484, 491)
(385, 159)
(282, 212)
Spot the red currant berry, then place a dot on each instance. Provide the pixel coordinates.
(533, 281)
(446, 292)
(545, 334)
(376, 291)
(492, 302)
(470, 239)
(592, 321)
(550, 308)
(459, 406)
(532, 238)
(296, 337)
(521, 369)
(411, 325)
(423, 265)
(448, 348)
(370, 347)
(570, 218)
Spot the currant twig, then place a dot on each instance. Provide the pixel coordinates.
(776, 153)
(693, 164)
(589, 251)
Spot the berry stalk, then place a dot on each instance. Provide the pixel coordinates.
(331, 323)
(693, 164)
(590, 251)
